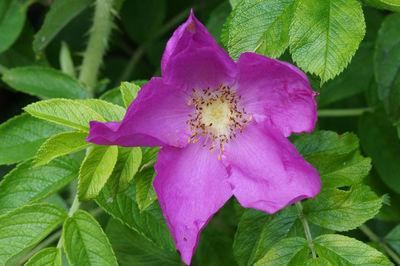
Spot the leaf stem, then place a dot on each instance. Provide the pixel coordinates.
(98, 40)
(371, 235)
(72, 210)
(344, 112)
(306, 228)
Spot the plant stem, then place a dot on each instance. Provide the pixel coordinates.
(97, 45)
(371, 235)
(306, 228)
(344, 112)
(72, 210)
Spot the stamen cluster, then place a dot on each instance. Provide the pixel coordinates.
(217, 117)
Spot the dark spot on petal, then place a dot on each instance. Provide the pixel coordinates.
(184, 239)
(191, 27)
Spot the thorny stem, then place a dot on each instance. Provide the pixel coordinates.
(344, 112)
(371, 235)
(306, 228)
(72, 210)
(99, 33)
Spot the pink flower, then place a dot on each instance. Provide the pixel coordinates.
(222, 127)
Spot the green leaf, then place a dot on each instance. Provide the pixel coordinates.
(288, 251)
(111, 112)
(387, 65)
(149, 223)
(95, 170)
(22, 135)
(44, 82)
(66, 62)
(341, 210)
(129, 92)
(46, 257)
(114, 96)
(129, 160)
(12, 20)
(343, 250)
(26, 226)
(379, 140)
(217, 19)
(264, 22)
(317, 262)
(61, 144)
(393, 238)
(25, 184)
(133, 249)
(325, 34)
(61, 12)
(85, 242)
(393, 5)
(145, 194)
(66, 112)
(336, 158)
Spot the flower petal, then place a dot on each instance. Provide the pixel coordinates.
(192, 58)
(267, 172)
(191, 185)
(276, 92)
(155, 118)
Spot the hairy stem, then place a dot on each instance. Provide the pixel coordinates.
(344, 112)
(371, 235)
(72, 210)
(97, 45)
(306, 229)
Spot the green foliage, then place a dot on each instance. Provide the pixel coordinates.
(61, 12)
(95, 170)
(85, 242)
(387, 64)
(12, 20)
(61, 144)
(145, 194)
(109, 111)
(262, 22)
(25, 184)
(348, 251)
(66, 112)
(393, 238)
(46, 257)
(133, 249)
(26, 226)
(324, 35)
(22, 135)
(44, 82)
(66, 63)
(393, 5)
(129, 92)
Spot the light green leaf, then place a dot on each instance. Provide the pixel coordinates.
(343, 250)
(66, 62)
(44, 82)
(234, 3)
(149, 223)
(61, 12)
(129, 160)
(133, 249)
(12, 20)
(95, 170)
(393, 5)
(145, 194)
(66, 112)
(61, 144)
(46, 257)
(289, 251)
(85, 242)
(317, 262)
(393, 238)
(26, 226)
(387, 65)
(325, 34)
(111, 112)
(343, 210)
(25, 184)
(129, 92)
(22, 135)
(264, 22)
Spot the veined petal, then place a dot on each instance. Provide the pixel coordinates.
(155, 118)
(276, 92)
(191, 185)
(192, 59)
(267, 172)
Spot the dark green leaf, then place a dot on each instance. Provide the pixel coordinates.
(216, 21)
(393, 238)
(12, 20)
(114, 96)
(393, 5)
(46, 257)
(145, 194)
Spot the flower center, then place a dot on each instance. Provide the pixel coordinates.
(217, 118)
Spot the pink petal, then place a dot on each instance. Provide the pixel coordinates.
(276, 92)
(192, 58)
(157, 117)
(191, 185)
(267, 172)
